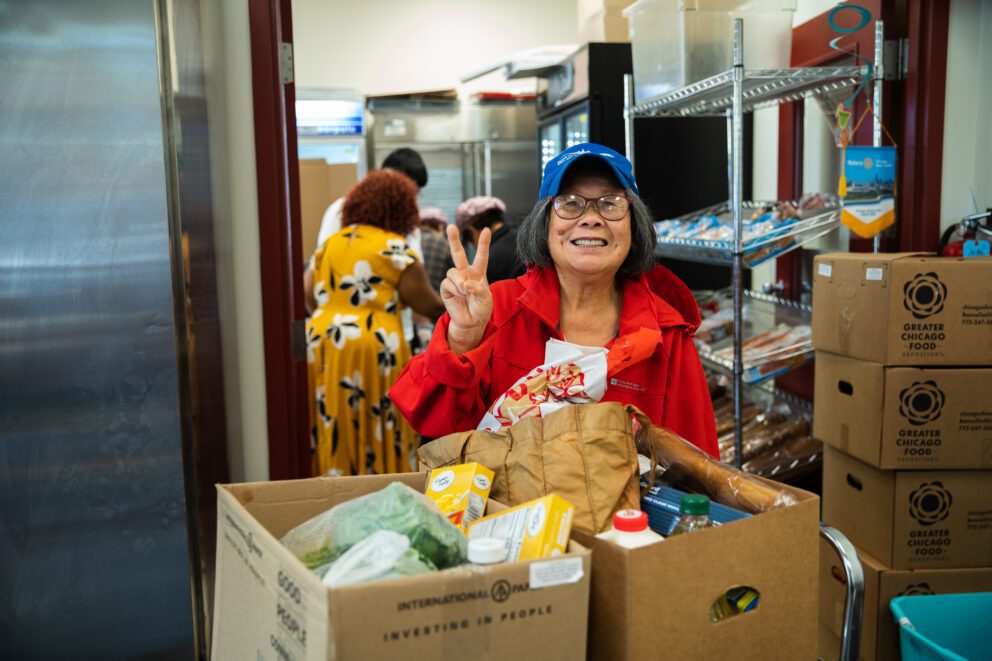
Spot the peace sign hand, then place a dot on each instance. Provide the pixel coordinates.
(465, 293)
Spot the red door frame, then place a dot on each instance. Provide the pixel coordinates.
(277, 171)
(921, 163)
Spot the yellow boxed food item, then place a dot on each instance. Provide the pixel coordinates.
(538, 529)
(461, 491)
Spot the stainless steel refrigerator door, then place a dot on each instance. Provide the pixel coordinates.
(514, 175)
(458, 171)
(94, 558)
(449, 173)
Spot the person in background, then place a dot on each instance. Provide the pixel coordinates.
(437, 254)
(364, 274)
(437, 261)
(476, 214)
(404, 160)
(592, 281)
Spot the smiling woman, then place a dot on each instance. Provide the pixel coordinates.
(591, 281)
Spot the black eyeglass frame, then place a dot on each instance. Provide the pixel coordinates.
(586, 201)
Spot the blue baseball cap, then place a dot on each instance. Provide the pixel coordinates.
(556, 167)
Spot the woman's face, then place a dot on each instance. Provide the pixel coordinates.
(589, 245)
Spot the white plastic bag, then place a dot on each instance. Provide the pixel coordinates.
(383, 554)
(570, 374)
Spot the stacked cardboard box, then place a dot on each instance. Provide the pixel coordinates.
(902, 401)
(602, 20)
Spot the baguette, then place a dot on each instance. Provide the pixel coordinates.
(689, 467)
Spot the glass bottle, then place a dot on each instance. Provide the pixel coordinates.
(694, 514)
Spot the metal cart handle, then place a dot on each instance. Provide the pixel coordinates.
(855, 602)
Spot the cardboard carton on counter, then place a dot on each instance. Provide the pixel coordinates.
(903, 308)
(879, 633)
(269, 605)
(910, 519)
(904, 417)
(654, 601)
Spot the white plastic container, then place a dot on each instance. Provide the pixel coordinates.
(630, 530)
(487, 550)
(678, 42)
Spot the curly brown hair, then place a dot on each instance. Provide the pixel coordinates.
(385, 199)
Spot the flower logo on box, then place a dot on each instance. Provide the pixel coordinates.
(921, 402)
(924, 295)
(930, 503)
(916, 589)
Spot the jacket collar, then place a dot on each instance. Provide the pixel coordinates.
(642, 307)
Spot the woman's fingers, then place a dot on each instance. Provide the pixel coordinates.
(448, 290)
(476, 287)
(481, 261)
(457, 281)
(457, 250)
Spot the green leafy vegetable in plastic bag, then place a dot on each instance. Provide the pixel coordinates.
(398, 508)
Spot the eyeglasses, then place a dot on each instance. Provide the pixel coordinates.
(611, 207)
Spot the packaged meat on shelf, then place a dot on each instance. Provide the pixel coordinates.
(776, 432)
(771, 229)
(777, 334)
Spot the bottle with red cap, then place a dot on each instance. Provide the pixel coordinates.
(630, 530)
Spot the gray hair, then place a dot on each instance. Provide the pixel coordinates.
(532, 238)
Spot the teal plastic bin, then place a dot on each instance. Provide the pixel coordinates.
(951, 627)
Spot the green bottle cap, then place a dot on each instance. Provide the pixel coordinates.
(694, 504)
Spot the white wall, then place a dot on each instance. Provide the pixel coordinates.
(967, 161)
(390, 46)
(227, 64)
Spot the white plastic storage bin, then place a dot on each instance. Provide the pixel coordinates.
(678, 42)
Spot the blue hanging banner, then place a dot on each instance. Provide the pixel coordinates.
(869, 198)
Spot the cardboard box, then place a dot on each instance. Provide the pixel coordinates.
(606, 26)
(879, 633)
(537, 529)
(320, 184)
(586, 9)
(461, 491)
(910, 519)
(268, 605)
(904, 417)
(654, 601)
(903, 308)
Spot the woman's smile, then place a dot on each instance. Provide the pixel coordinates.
(589, 242)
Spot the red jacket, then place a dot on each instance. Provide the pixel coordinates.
(440, 392)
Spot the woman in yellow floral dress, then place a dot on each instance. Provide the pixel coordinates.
(355, 342)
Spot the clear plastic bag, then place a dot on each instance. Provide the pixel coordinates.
(383, 554)
(323, 539)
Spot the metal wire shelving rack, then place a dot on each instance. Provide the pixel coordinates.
(733, 93)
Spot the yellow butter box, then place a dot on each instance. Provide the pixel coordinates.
(461, 491)
(537, 529)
